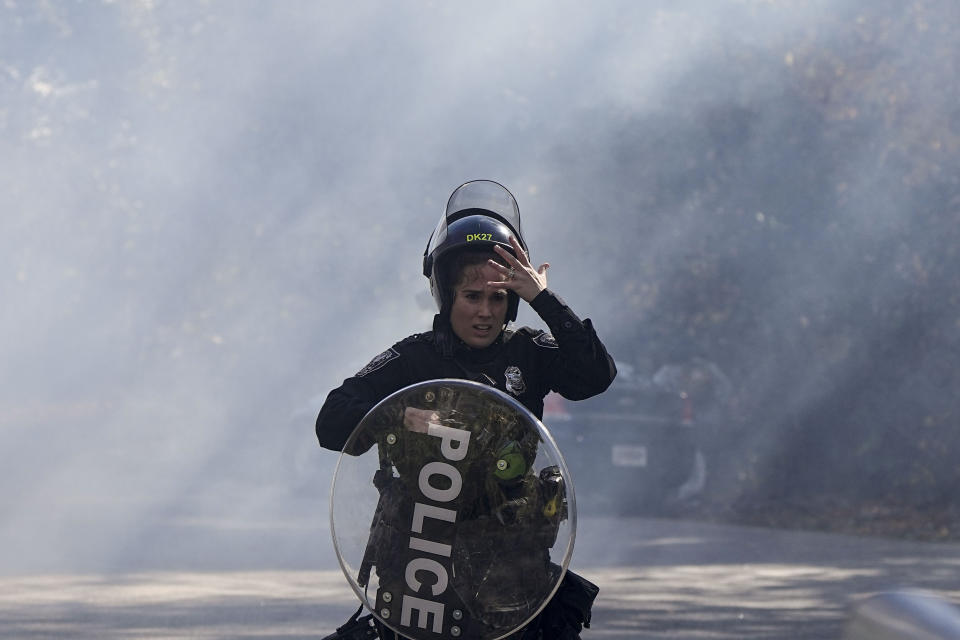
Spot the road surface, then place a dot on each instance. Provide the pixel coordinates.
(658, 578)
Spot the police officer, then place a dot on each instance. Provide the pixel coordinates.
(479, 269)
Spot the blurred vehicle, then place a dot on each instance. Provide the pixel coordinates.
(639, 448)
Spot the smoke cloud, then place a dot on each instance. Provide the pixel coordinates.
(212, 213)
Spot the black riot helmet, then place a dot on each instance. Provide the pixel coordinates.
(479, 215)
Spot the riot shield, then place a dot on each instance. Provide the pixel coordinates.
(458, 525)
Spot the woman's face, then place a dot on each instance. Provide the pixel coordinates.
(478, 311)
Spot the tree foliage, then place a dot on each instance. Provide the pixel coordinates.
(793, 212)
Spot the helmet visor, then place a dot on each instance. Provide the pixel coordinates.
(489, 196)
(485, 197)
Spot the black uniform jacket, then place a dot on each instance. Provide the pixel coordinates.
(525, 363)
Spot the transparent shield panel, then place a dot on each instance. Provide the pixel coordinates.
(458, 522)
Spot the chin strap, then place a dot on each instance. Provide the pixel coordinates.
(443, 339)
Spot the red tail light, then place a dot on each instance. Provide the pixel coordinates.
(555, 407)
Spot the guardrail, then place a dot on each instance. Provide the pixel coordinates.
(903, 615)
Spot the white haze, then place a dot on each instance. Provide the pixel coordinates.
(213, 212)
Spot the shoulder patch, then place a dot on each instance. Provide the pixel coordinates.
(378, 362)
(545, 340)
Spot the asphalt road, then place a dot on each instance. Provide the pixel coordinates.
(658, 579)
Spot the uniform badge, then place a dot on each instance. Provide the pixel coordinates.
(544, 339)
(378, 362)
(514, 380)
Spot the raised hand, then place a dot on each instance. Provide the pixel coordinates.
(519, 275)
